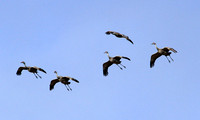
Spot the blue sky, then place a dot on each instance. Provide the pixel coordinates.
(69, 37)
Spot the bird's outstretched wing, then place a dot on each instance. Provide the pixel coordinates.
(119, 35)
(40, 69)
(105, 67)
(109, 32)
(119, 57)
(19, 71)
(126, 58)
(173, 50)
(53, 82)
(115, 33)
(153, 58)
(129, 39)
(168, 49)
(75, 80)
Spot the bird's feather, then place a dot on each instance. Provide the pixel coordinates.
(109, 32)
(40, 69)
(117, 58)
(129, 40)
(153, 58)
(126, 58)
(75, 80)
(119, 35)
(166, 49)
(19, 71)
(105, 67)
(173, 50)
(53, 82)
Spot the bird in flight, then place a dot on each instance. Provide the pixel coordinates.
(113, 60)
(164, 51)
(33, 70)
(119, 35)
(64, 80)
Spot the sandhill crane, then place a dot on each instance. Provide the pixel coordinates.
(33, 70)
(119, 35)
(64, 80)
(163, 51)
(113, 60)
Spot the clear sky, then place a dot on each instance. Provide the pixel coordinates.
(69, 36)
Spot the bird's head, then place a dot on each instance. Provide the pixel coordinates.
(23, 62)
(153, 43)
(108, 32)
(55, 72)
(106, 52)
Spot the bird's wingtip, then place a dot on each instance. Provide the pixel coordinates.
(151, 65)
(108, 33)
(105, 73)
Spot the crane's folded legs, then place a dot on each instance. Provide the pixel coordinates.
(167, 59)
(119, 66)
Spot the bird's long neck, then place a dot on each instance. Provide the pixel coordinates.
(56, 74)
(156, 47)
(108, 55)
(25, 64)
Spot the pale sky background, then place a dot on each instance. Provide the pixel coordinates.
(69, 36)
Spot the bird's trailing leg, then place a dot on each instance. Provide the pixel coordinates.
(123, 65)
(171, 58)
(119, 67)
(35, 75)
(39, 75)
(69, 87)
(167, 59)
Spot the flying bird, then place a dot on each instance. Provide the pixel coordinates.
(113, 60)
(164, 51)
(33, 70)
(119, 35)
(63, 80)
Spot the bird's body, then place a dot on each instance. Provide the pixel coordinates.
(112, 60)
(63, 80)
(119, 35)
(164, 51)
(33, 70)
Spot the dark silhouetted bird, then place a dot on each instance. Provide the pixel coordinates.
(119, 35)
(112, 60)
(63, 80)
(33, 70)
(164, 51)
